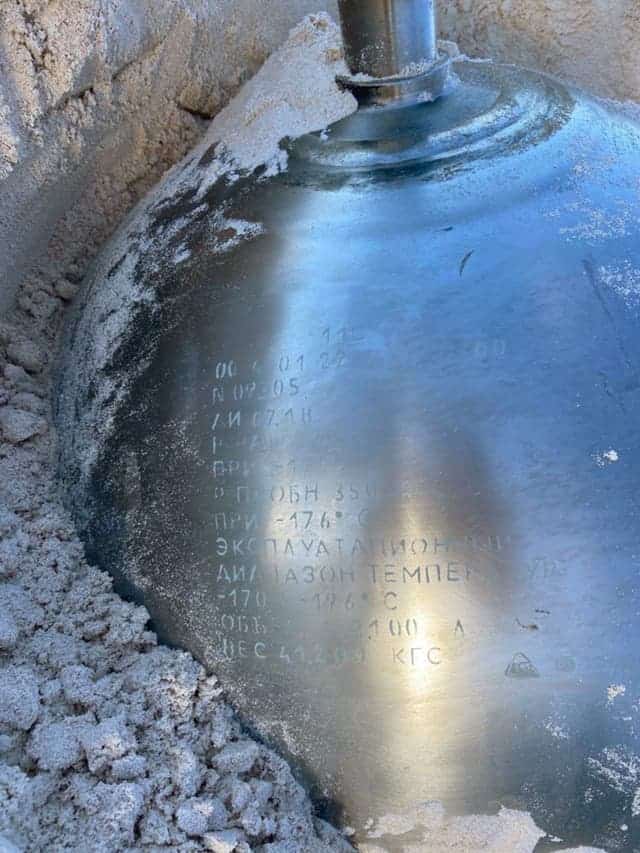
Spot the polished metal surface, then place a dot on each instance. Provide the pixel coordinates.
(429, 84)
(388, 38)
(380, 467)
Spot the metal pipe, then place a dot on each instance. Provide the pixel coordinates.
(388, 38)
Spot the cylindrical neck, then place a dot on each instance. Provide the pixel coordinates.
(388, 38)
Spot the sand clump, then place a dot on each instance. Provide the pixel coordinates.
(109, 742)
(295, 91)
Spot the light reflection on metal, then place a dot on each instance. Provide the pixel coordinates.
(401, 554)
(388, 38)
(392, 52)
